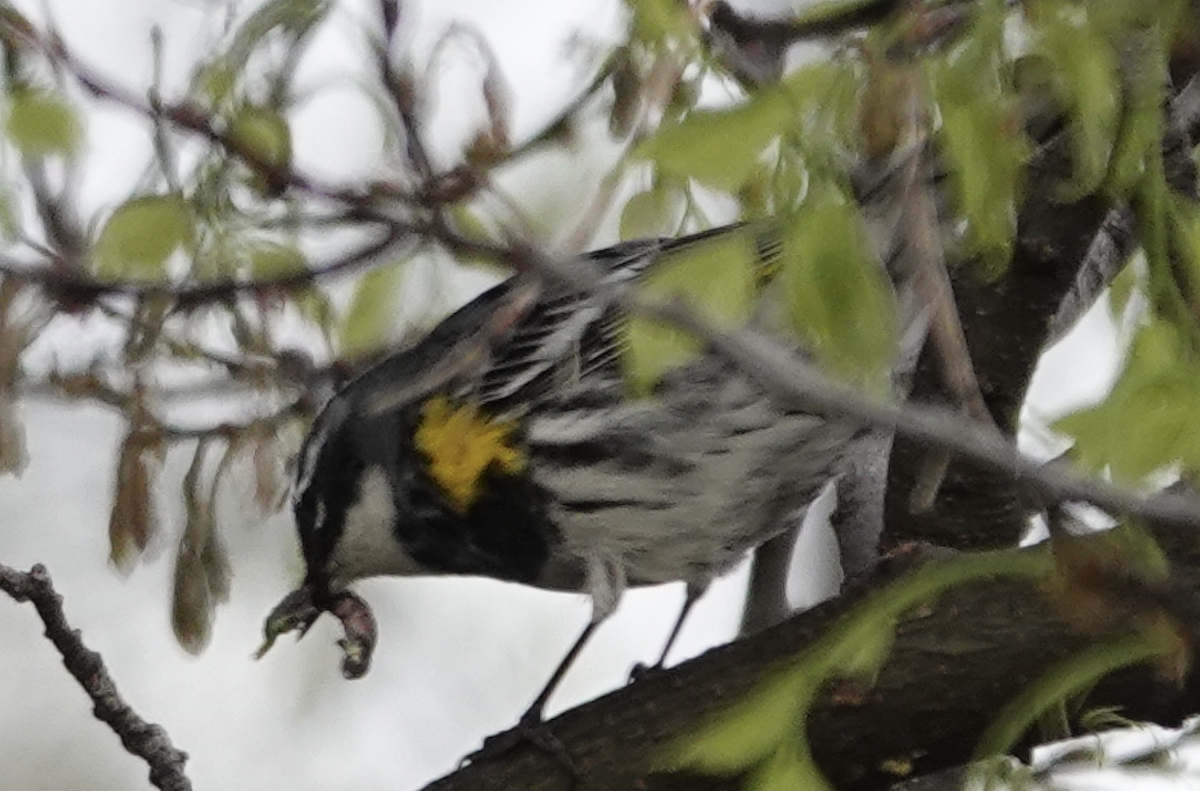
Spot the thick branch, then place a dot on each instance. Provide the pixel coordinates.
(1006, 325)
(1065, 255)
(144, 739)
(953, 666)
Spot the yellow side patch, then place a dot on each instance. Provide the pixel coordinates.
(460, 443)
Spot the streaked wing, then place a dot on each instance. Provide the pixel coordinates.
(567, 335)
(509, 348)
(572, 335)
(513, 345)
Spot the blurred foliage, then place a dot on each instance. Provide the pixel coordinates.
(371, 314)
(1158, 391)
(41, 124)
(202, 570)
(263, 134)
(140, 236)
(762, 736)
(223, 205)
(717, 275)
(981, 136)
(838, 298)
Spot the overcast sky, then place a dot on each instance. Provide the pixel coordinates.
(457, 660)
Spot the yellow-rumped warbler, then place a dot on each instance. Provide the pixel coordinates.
(506, 444)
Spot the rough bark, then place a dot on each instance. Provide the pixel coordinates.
(954, 664)
(1008, 323)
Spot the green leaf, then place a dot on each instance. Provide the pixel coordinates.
(790, 767)
(372, 312)
(717, 276)
(217, 82)
(275, 22)
(42, 124)
(865, 647)
(270, 258)
(1139, 143)
(1121, 290)
(981, 136)
(720, 147)
(656, 20)
(1158, 392)
(141, 235)
(1185, 227)
(750, 731)
(1158, 406)
(314, 305)
(1138, 551)
(756, 732)
(1089, 82)
(986, 158)
(264, 134)
(838, 297)
(654, 212)
(1068, 678)
(825, 97)
(293, 17)
(1166, 404)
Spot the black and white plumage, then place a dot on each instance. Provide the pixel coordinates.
(579, 486)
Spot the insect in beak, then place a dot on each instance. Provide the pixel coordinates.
(301, 608)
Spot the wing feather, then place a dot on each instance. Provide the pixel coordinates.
(559, 336)
(510, 348)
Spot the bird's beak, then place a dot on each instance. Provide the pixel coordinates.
(296, 612)
(299, 610)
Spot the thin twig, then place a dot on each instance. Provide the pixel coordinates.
(185, 116)
(793, 380)
(77, 287)
(146, 740)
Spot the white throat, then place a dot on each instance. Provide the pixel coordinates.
(368, 545)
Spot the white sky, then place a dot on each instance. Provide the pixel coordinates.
(457, 660)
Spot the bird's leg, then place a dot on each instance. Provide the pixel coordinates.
(531, 728)
(641, 671)
(533, 715)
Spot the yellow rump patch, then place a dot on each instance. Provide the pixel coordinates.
(460, 443)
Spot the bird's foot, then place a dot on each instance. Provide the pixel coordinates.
(531, 729)
(641, 672)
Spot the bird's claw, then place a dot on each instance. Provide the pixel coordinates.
(531, 729)
(640, 672)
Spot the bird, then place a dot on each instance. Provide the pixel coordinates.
(507, 443)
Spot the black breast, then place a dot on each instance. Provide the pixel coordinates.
(506, 533)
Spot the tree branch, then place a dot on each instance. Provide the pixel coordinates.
(1065, 255)
(795, 381)
(953, 665)
(74, 288)
(144, 739)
